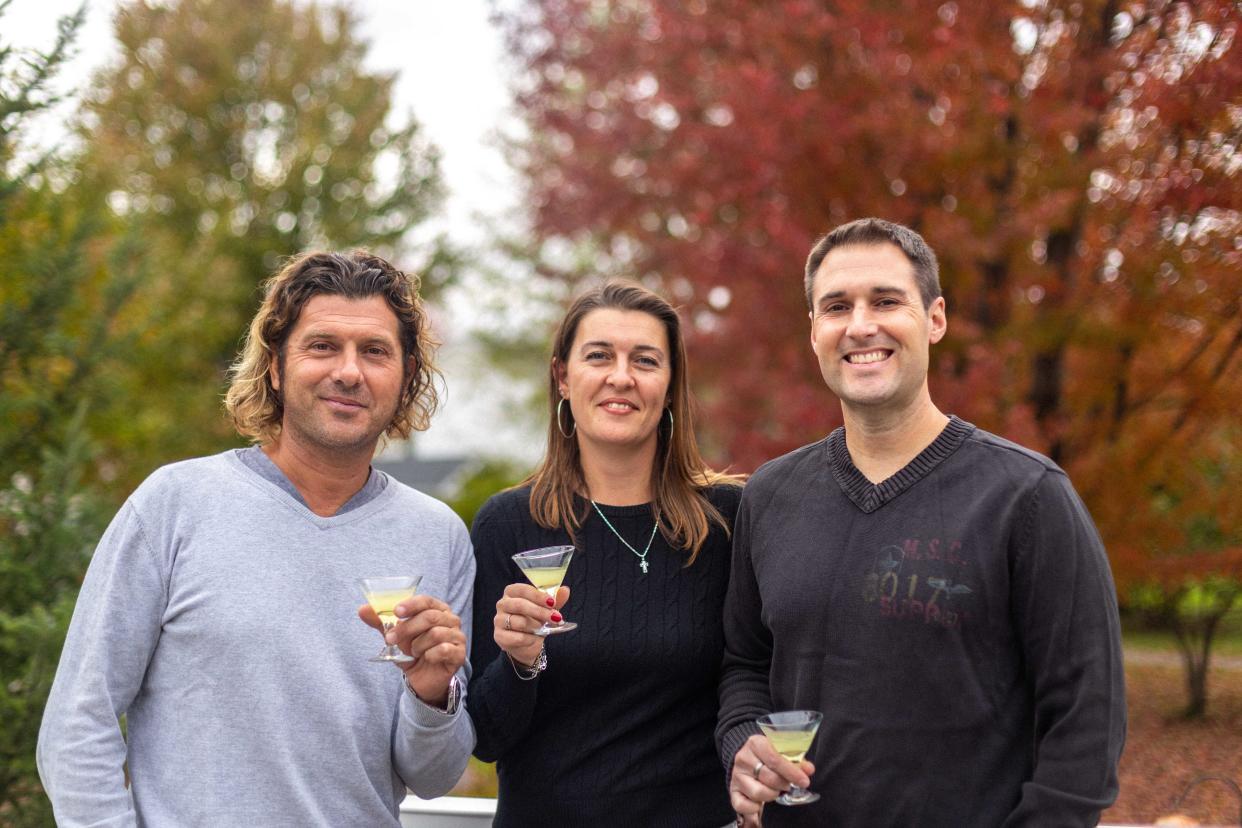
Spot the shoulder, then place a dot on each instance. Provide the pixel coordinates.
(504, 509)
(186, 480)
(1039, 484)
(1006, 459)
(790, 467)
(725, 497)
(422, 507)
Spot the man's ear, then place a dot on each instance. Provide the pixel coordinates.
(938, 320)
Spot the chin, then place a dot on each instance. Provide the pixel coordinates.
(629, 439)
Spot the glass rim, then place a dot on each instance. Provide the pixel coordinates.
(381, 582)
(783, 719)
(545, 552)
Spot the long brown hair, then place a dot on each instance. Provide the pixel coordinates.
(679, 475)
(253, 402)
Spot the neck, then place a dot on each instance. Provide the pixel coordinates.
(325, 481)
(618, 476)
(883, 443)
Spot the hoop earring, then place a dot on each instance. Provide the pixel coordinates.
(559, 427)
(669, 411)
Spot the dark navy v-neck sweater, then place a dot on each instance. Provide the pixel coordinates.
(956, 624)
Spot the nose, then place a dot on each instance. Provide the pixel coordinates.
(347, 372)
(620, 376)
(861, 324)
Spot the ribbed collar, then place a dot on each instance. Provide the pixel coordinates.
(868, 496)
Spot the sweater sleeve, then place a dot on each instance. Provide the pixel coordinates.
(431, 747)
(1065, 612)
(115, 629)
(502, 705)
(744, 686)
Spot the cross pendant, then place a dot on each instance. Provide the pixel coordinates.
(643, 564)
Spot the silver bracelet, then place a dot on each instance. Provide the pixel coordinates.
(529, 673)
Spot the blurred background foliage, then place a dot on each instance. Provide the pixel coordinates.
(1075, 164)
(230, 135)
(227, 136)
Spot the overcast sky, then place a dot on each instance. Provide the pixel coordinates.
(452, 76)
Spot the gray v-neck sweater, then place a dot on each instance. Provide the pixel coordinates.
(219, 615)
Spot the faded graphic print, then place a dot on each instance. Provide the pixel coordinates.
(921, 580)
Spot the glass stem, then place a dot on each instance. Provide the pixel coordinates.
(389, 649)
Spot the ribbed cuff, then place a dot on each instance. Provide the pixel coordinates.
(425, 717)
(732, 742)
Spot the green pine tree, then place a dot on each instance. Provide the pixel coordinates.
(57, 302)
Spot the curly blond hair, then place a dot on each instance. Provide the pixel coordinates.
(254, 403)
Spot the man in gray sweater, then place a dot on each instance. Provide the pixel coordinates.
(938, 593)
(220, 613)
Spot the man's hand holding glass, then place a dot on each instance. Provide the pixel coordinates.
(430, 632)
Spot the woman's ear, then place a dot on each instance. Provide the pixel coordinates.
(559, 374)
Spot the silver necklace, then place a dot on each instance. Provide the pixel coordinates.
(642, 556)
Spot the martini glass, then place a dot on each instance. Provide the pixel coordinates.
(383, 594)
(790, 733)
(545, 568)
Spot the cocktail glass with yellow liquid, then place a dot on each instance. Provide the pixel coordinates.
(383, 594)
(545, 568)
(790, 733)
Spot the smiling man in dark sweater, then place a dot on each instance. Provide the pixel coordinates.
(940, 594)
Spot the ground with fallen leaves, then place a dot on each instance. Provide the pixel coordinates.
(1165, 753)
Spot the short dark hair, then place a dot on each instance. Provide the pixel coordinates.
(252, 401)
(878, 231)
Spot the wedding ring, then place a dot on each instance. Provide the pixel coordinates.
(758, 768)
(508, 619)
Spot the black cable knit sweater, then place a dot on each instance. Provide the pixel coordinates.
(618, 729)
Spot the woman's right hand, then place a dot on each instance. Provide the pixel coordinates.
(520, 611)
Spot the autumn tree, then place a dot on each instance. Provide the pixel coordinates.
(234, 134)
(1074, 164)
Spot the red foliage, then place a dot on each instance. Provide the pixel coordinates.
(1075, 165)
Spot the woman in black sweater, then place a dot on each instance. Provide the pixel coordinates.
(612, 723)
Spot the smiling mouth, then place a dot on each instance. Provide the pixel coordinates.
(867, 357)
(615, 405)
(344, 403)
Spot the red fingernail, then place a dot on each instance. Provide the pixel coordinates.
(551, 602)
(556, 616)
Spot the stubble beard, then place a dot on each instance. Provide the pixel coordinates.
(316, 432)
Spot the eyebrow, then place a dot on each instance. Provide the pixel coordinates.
(878, 290)
(603, 343)
(323, 333)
